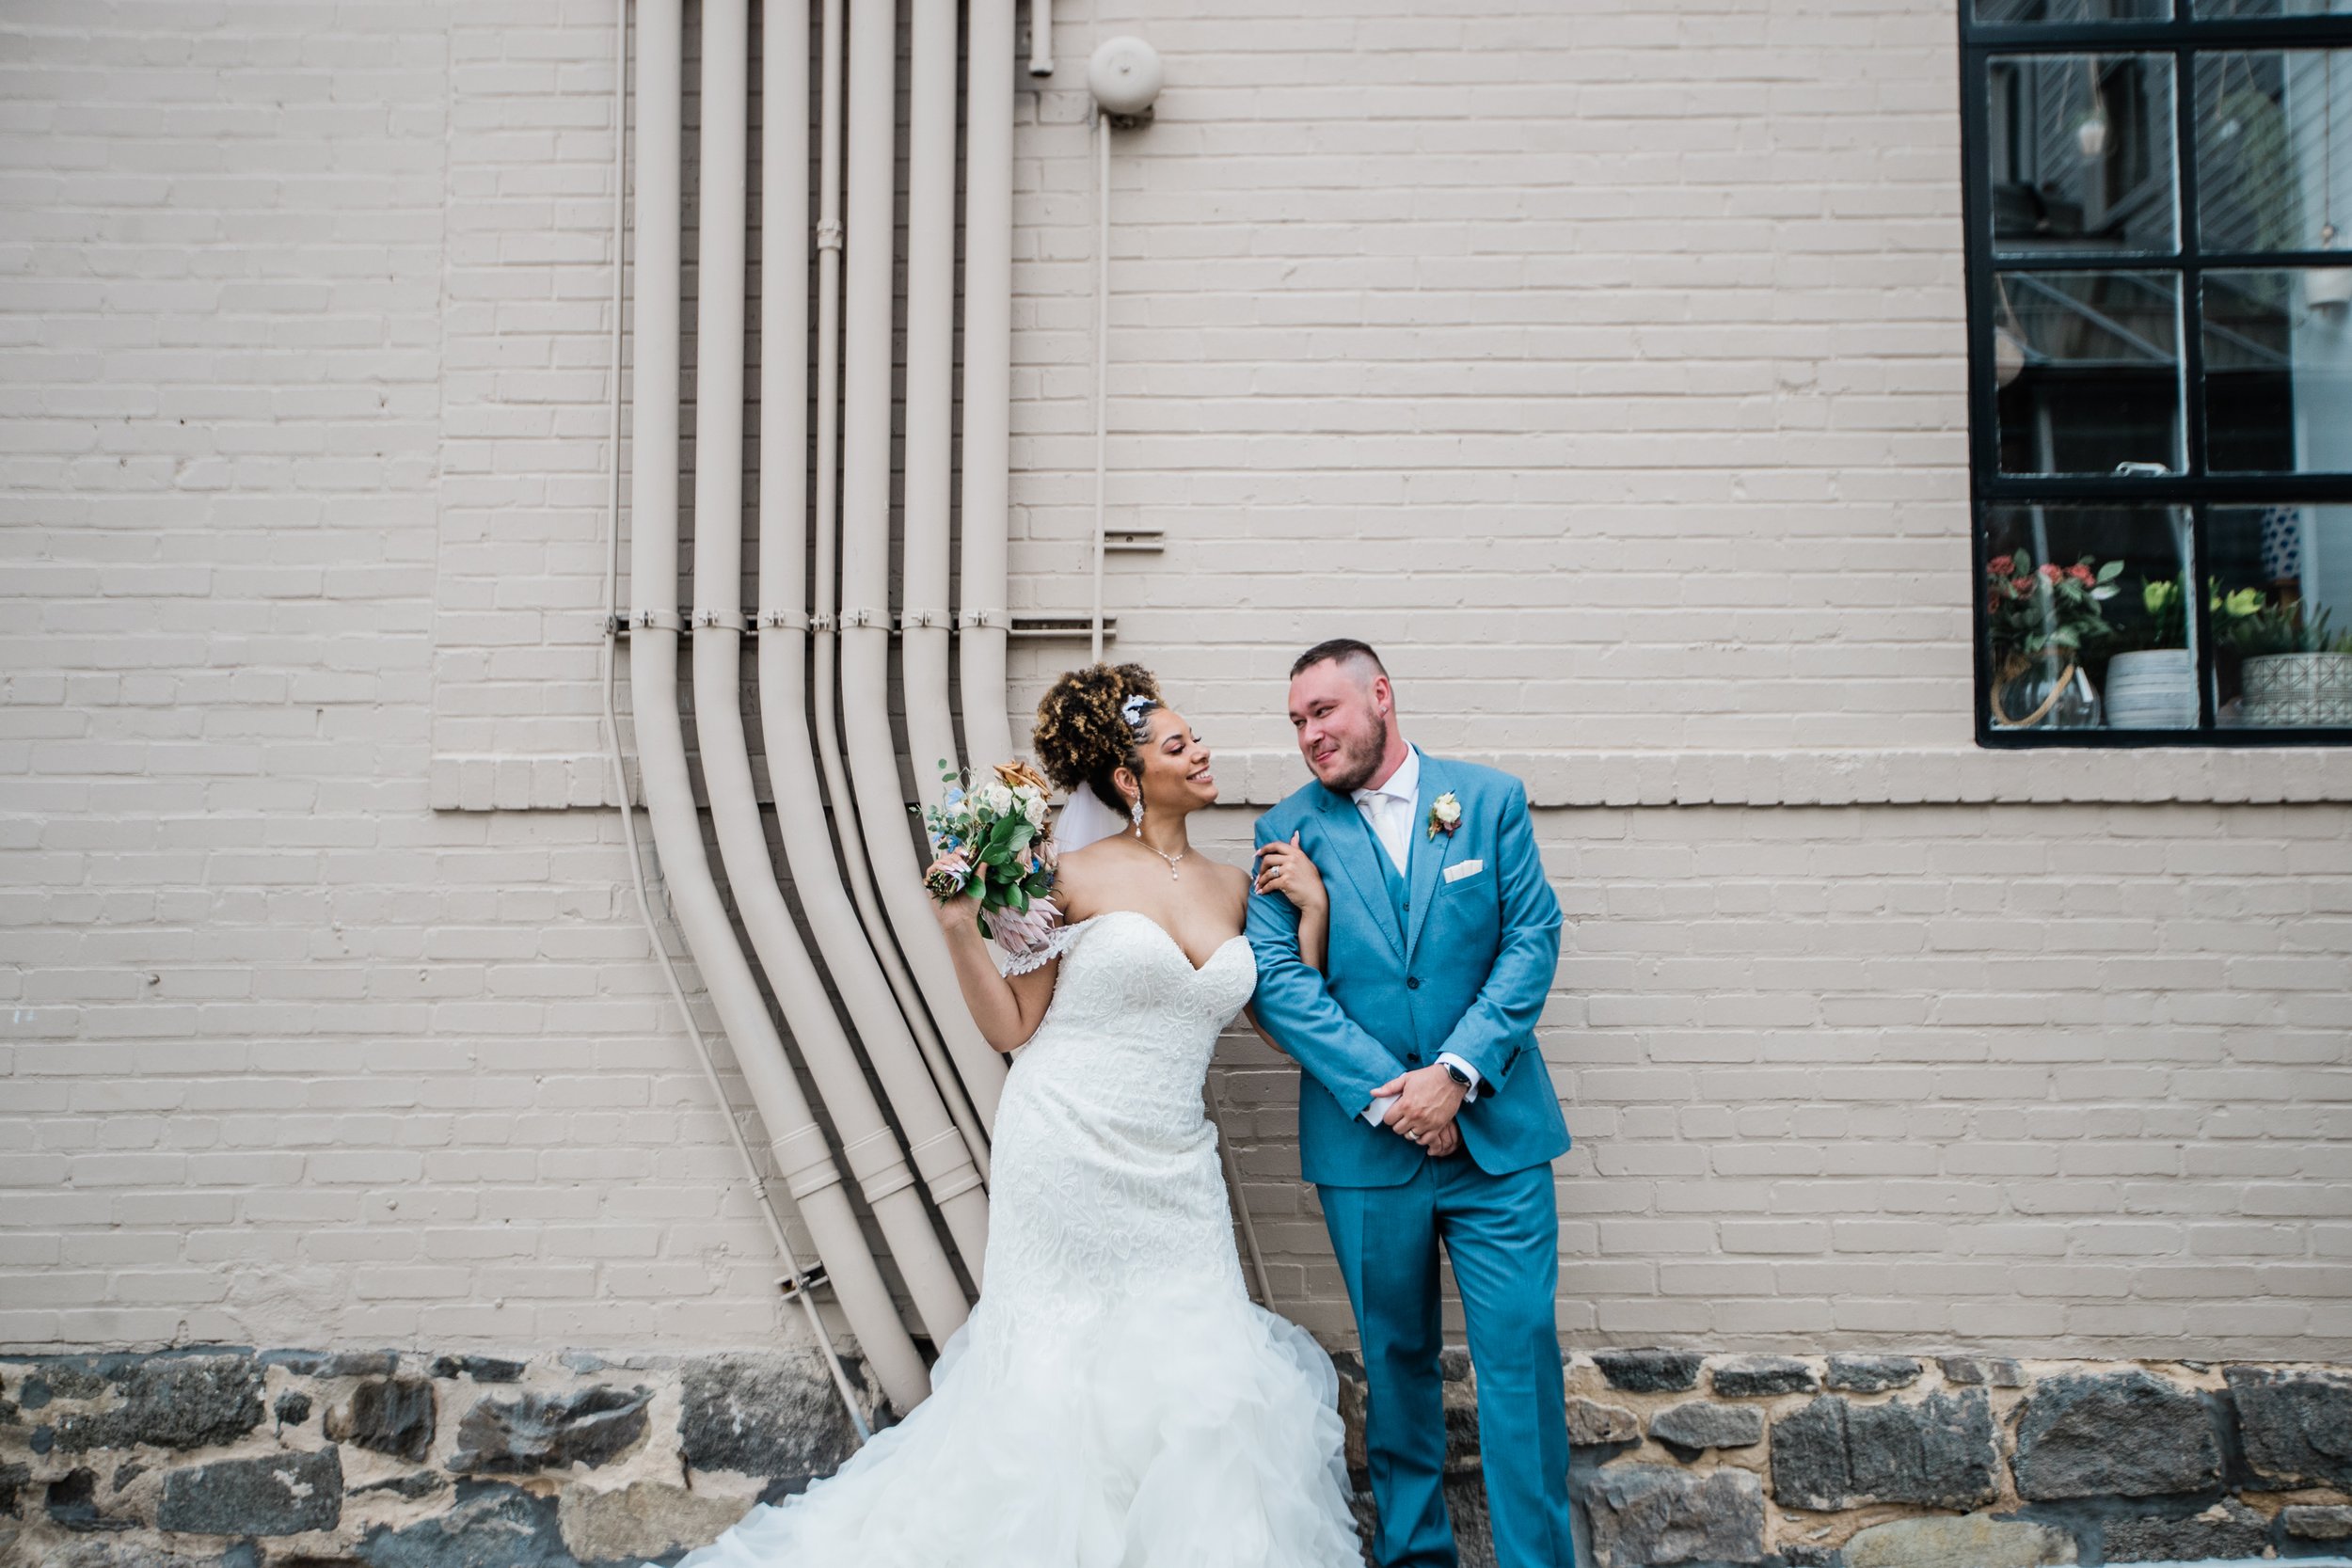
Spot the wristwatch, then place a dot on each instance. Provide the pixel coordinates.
(1454, 1072)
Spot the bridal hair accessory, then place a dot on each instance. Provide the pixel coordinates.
(988, 837)
(1134, 708)
(1445, 816)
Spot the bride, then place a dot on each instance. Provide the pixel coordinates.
(1115, 1401)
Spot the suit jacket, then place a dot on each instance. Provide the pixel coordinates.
(1464, 966)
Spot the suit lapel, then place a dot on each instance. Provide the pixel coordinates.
(1352, 851)
(1429, 856)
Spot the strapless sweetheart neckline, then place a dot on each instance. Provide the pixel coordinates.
(1200, 968)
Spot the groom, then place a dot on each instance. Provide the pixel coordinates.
(1431, 1119)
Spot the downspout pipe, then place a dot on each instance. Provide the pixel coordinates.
(934, 1141)
(882, 804)
(929, 457)
(823, 621)
(867, 1145)
(984, 621)
(795, 1142)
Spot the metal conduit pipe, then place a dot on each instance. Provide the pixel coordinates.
(983, 622)
(869, 1146)
(929, 457)
(934, 1141)
(795, 1140)
(1041, 37)
(865, 549)
(823, 642)
(798, 1284)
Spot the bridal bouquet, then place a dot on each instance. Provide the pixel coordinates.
(989, 839)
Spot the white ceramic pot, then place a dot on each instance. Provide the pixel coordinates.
(2152, 690)
(2299, 691)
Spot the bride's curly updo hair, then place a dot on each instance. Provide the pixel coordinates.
(1083, 734)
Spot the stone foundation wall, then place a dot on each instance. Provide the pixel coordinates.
(225, 1458)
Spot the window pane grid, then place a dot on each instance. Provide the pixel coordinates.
(2221, 219)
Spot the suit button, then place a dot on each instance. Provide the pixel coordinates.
(1413, 982)
(1412, 1061)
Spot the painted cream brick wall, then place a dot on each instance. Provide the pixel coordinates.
(1603, 365)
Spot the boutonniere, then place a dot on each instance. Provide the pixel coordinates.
(1445, 816)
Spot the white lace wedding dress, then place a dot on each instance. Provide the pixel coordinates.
(1115, 1401)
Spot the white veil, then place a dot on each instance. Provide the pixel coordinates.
(1085, 819)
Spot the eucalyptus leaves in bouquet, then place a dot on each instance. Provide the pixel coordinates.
(989, 840)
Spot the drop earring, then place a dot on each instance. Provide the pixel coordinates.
(1134, 810)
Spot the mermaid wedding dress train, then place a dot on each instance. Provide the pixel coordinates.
(1116, 1400)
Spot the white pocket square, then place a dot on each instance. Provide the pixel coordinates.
(1467, 868)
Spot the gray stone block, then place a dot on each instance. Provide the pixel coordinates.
(644, 1519)
(481, 1369)
(171, 1401)
(1982, 1370)
(2126, 1433)
(1938, 1451)
(539, 1432)
(14, 1478)
(1762, 1377)
(279, 1494)
(772, 1415)
(1872, 1374)
(2317, 1521)
(293, 1408)
(1649, 1372)
(390, 1416)
(1699, 1425)
(1592, 1423)
(135, 1554)
(2227, 1529)
(1973, 1541)
(1809, 1469)
(493, 1525)
(1650, 1515)
(2297, 1426)
(1834, 1454)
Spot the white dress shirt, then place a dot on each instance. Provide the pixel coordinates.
(1392, 807)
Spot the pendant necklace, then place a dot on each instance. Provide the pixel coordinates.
(1171, 859)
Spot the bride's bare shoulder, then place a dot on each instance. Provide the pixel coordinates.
(1079, 873)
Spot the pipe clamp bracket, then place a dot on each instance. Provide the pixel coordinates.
(973, 620)
(728, 620)
(785, 619)
(829, 236)
(820, 623)
(922, 620)
(864, 618)
(657, 620)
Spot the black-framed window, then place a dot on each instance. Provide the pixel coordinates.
(2159, 244)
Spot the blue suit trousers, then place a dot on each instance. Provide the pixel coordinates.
(1501, 1235)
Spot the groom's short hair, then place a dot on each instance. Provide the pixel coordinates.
(1340, 650)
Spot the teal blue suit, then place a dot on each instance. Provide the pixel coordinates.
(1457, 954)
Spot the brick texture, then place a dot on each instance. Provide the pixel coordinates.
(1607, 373)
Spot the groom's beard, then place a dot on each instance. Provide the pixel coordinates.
(1359, 759)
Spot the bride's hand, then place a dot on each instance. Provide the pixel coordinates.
(955, 913)
(1286, 868)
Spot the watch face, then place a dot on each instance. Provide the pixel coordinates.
(1455, 1073)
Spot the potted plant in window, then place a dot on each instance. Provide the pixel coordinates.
(2296, 671)
(2153, 684)
(2041, 620)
